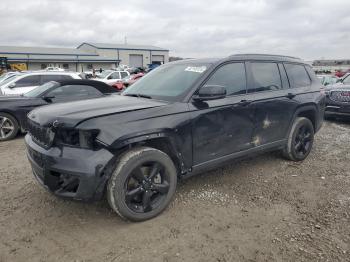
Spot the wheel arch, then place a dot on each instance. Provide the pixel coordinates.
(163, 140)
(308, 111)
(11, 113)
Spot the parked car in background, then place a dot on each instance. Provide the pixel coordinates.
(7, 76)
(345, 80)
(338, 98)
(14, 109)
(136, 70)
(25, 82)
(127, 81)
(181, 119)
(110, 76)
(51, 68)
(123, 68)
(152, 67)
(342, 73)
(327, 79)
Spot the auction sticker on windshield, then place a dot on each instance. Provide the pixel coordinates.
(196, 69)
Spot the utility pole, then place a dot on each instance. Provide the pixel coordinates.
(125, 40)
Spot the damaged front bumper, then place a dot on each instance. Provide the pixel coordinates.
(68, 172)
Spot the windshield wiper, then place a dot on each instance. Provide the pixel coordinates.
(139, 95)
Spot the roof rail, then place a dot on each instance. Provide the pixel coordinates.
(286, 56)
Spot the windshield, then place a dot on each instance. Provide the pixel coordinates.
(167, 82)
(37, 92)
(9, 79)
(104, 74)
(4, 76)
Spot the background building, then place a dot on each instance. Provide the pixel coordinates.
(132, 55)
(85, 57)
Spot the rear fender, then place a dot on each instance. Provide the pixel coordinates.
(302, 109)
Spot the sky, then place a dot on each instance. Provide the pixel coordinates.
(308, 29)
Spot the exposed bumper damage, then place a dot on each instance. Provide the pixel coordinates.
(69, 172)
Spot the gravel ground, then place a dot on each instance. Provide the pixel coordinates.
(258, 209)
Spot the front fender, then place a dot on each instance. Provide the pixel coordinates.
(171, 141)
(144, 136)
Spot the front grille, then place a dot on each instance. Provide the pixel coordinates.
(43, 136)
(340, 96)
(36, 156)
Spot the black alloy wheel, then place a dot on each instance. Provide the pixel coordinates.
(146, 187)
(142, 184)
(303, 141)
(8, 127)
(300, 140)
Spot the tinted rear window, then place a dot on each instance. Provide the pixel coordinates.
(231, 77)
(266, 77)
(297, 75)
(75, 91)
(33, 80)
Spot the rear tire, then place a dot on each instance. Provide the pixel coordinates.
(143, 184)
(8, 127)
(300, 140)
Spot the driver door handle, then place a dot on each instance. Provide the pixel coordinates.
(244, 102)
(290, 95)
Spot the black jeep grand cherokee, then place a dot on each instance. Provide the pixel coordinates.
(181, 119)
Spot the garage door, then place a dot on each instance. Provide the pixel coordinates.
(157, 59)
(136, 60)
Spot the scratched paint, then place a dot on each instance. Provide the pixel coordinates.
(256, 141)
(266, 123)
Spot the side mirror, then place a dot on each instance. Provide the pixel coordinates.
(210, 92)
(110, 77)
(48, 98)
(340, 80)
(13, 85)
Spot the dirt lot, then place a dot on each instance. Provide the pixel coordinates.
(261, 209)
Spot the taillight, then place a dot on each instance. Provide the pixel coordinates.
(345, 93)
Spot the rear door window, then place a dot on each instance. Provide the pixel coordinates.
(232, 77)
(48, 78)
(123, 74)
(33, 80)
(266, 77)
(297, 75)
(114, 76)
(75, 91)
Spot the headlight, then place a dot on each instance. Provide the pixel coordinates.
(77, 138)
(87, 138)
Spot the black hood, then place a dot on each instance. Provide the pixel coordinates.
(72, 113)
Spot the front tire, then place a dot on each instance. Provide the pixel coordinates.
(300, 140)
(143, 184)
(8, 127)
